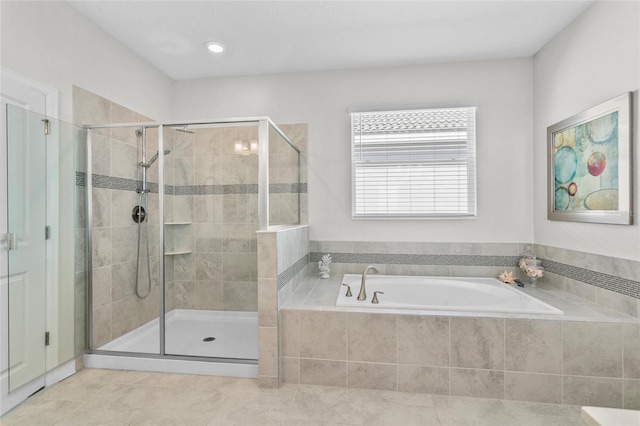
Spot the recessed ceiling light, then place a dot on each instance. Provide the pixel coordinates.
(214, 47)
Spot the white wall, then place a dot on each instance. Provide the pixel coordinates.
(594, 59)
(48, 41)
(51, 43)
(502, 90)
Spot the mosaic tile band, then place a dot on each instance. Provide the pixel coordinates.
(419, 259)
(292, 271)
(110, 182)
(598, 279)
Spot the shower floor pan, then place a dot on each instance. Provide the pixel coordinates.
(190, 332)
(235, 333)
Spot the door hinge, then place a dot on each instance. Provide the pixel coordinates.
(12, 241)
(47, 232)
(46, 126)
(46, 338)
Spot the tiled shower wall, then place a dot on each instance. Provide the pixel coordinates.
(216, 189)
(211, 212)
(216, 199)
(116, 308)
(612, 282)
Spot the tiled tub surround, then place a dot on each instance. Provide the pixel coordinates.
(590, 356)
(612, 282)
(413, 258)
(283, 253)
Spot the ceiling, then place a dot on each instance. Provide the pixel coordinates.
(266, 37)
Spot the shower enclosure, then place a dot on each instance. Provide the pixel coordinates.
(172, 211)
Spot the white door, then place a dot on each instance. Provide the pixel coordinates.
(22, 276)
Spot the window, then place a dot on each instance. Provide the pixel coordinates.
(414, 164)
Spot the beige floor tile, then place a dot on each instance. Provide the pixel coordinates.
(401, 398)
(74, 390)
(325, 405)
(207, 383)
(96, 416)
(113, 397)
(541, 409)
(385, 413)
(157, 379)
(173, 418)
(252, 409)
(526, 420)
(155, 398)
(39, 411)
(472, 411)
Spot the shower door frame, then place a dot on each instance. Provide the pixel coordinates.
(263, 124)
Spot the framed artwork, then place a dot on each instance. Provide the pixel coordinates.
(589, 165)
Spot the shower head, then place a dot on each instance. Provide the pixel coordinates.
(154, 158)
(183, 129)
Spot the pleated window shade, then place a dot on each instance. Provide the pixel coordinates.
(414, 164)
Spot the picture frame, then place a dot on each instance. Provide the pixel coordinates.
(590, 165)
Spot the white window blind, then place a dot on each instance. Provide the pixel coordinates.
(414, 164)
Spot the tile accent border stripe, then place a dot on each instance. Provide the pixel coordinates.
(123, 184)
(598, 279)
(110, 182)
(292, 271)
(609, 282)
(419, 259)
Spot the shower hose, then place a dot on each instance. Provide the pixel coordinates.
(142, 202)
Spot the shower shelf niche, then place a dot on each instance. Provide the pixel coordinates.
(175, 251)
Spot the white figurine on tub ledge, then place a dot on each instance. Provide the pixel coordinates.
(323, 266)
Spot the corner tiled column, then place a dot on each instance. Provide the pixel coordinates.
(282, 258)
(267, 310)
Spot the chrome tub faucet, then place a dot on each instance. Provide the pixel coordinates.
(363, 294)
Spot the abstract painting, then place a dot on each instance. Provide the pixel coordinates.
(590, 165)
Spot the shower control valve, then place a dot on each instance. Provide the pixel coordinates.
(138, 214)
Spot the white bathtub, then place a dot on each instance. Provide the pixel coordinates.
(442, 294)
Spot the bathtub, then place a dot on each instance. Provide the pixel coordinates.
(442, 294)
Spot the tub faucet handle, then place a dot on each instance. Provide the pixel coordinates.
(349, 294)
(375, 296)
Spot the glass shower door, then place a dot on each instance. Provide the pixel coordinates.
(210, 224)
(26, 173)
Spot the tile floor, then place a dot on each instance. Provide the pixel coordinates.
(114, 397)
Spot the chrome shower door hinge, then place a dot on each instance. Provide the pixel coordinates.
(47, 232)
(12, 241)
(46, 338)
(47, 129)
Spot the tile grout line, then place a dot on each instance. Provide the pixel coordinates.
(450, 350)
(346, 355)
(504, 358)
(624, 388)
(397, 355)
(562, 364)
